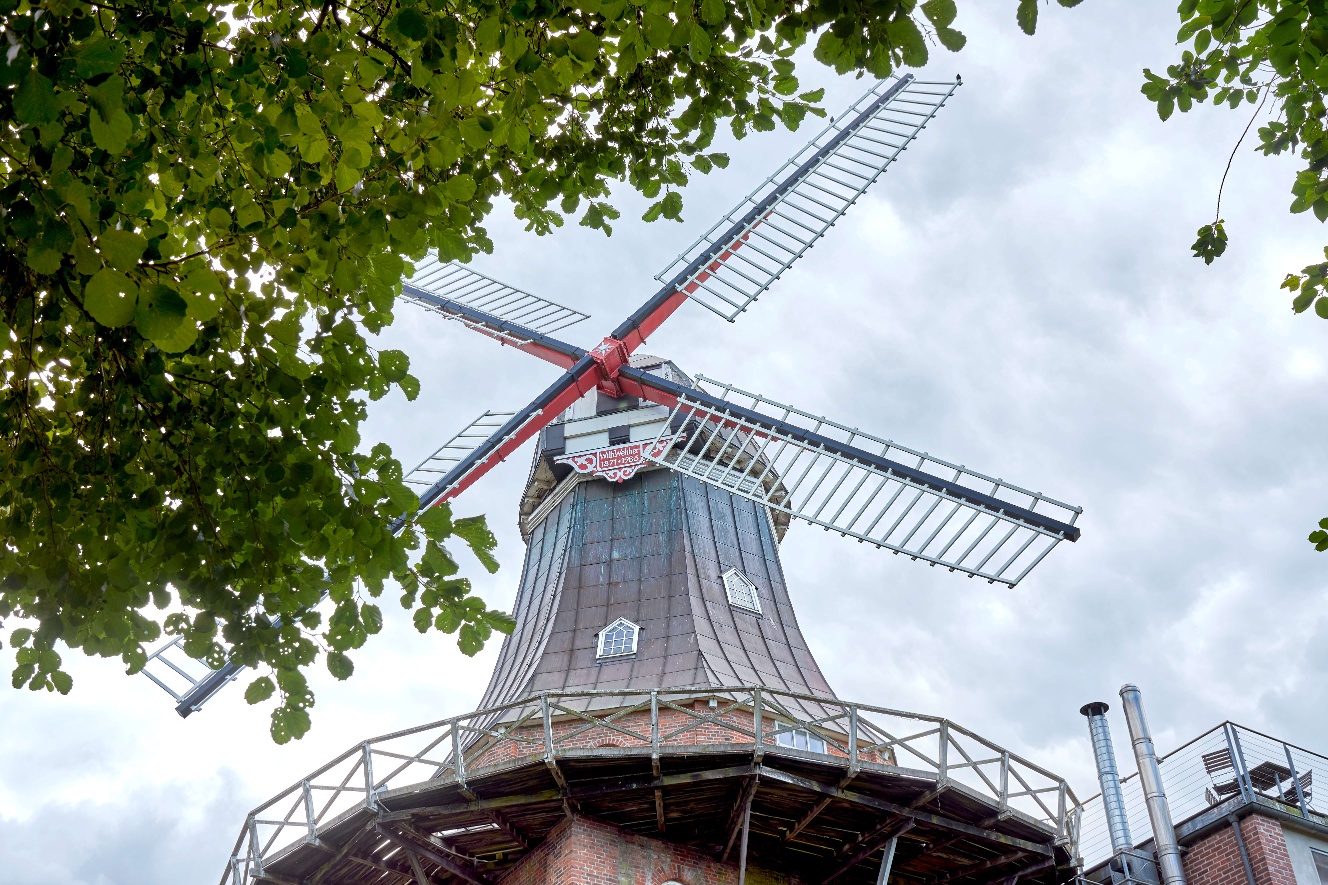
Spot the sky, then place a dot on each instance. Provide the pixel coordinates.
(1017, 294)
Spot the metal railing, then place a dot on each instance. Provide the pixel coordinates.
(1227, 762)
(547, 726)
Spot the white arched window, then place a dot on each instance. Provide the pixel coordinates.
(741, 591)
(619, 638)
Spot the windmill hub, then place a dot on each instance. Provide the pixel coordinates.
(610, 355)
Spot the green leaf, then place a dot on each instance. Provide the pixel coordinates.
(20, 637)
(372, 616)
(940, 13)
(259, 690)
(411, 24)
(62, 681)
(475, 532)
(121, 248)
(1027, 16)
(110, 134)
(1211, 242)
(585, 46)
(98, 56)
(469, 641)
(1321, 308)
(449, 619)
(436, 522)
(339, 665)
(201, 293)
(289, 723)
(394, 364)
(110, 298)
(460, 188)
(500, 621)
(951, 39)
(160, 316)
(34, 100)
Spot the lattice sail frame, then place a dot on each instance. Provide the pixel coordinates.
(434, 468)
(857, 497)
(774, 225)
(456, 292)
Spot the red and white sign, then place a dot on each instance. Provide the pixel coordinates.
(619, 463)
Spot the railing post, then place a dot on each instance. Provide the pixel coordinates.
(759, 750)
(548, 727)
(1062, 831)
(654, 724)
(852, 739)
(370, 794)
(458, 760)
(235, 870)
(309, 812)
(1004, 804)
(255, 849)
(1238, 762)
(943, 757)
(1295, 783)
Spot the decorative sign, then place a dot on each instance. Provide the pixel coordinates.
(619, 463)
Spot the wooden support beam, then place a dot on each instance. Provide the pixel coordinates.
(885, 829)
(659, 809)
(1026, 871)
(510, 829)
(340, 854)
(816, 809)
(381, 867)
(421, 877)
(805, 821)
(929, 796)
(625, 784)
(411, 839)
(746, 831)
(904, 811)
(883, 836)
(887, 862)
(974, 869)
(739, 818)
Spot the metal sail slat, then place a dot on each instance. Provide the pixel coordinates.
(437, 286)
(888, 495)
(817, 174)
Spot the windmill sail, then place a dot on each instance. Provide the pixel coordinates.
(493, 308)
(862, 486)
(747, 250)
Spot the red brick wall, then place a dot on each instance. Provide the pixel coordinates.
(1215, 859)
(675, 728)
(582, 851)
(1268, 851)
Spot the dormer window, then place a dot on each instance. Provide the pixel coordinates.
(619, 638)
(741, 591)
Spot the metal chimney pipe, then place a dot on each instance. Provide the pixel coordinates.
(1164, 834)
(1112, 799)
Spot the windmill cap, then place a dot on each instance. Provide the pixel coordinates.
(1096, 708)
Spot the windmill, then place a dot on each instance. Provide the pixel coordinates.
(615, 414)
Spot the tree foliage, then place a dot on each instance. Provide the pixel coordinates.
(1247, 52)
(204, 209)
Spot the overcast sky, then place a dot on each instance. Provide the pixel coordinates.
(1017, 295)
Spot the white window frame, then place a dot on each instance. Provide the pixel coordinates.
(630, 641)
(745, 596)
(800, 739)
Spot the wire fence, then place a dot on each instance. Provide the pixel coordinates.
(1230, 761)
(547, 726)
